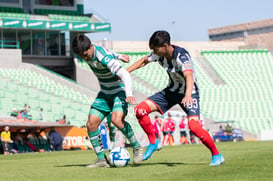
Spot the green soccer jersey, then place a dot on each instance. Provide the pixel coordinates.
(105, 66)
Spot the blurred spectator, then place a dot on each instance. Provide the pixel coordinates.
(6, 140)
(25, 112)
(19, 115)
(28, 113)
(192, 137)
(183, 133)
(14, 148)
(41, 114)
(157, 125)
(169, 128)
(63, 120)
(228, 129)
(56, 140)
(30, 145)
(14, 113)
(221, 128)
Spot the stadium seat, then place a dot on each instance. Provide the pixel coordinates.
(241, 100)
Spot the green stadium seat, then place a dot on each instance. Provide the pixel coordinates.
(247, 76)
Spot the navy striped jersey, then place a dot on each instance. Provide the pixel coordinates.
(181, 62)
(105, 65)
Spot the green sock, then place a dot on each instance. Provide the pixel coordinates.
(112, 134)
(112, 129)
(129, 134)
(96, 141)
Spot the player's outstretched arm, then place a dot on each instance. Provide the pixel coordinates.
(138, 64)
(126, 79)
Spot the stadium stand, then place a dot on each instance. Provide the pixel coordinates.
(22, 86)
(245, 98)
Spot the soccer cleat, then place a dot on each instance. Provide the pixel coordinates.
(217, 160)
(138, 155)
(99, 163)
(159, 146)
(151, 148)
(107, 159)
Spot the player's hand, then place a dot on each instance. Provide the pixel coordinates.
(124, 58)
(187, 100)
(131, 100)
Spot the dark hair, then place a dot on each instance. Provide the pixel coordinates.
(80, 44)
(159, 38)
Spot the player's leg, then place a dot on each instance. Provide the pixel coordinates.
(193, 112)
(124, 127)
(206, 139)
(157, 102)
(142, 111)
(94, 120)
(6, 148)
(112, 128)
(119, 111)
(98, 111)
(165, 134)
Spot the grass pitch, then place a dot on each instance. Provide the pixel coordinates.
(243, 161)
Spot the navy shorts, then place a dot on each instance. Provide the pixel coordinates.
(166, 99)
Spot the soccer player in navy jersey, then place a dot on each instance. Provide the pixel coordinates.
(182, 89)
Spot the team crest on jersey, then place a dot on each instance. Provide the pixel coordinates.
(107, 59)
(187, 65)
(96, 64)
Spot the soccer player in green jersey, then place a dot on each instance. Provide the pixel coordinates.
(115, 96)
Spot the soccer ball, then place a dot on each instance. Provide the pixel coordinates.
(119, 157)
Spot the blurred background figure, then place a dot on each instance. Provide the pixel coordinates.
(158, 124)
(56, 140)
(41, 115)
(169, 128)
(6, 140)
(183, 133)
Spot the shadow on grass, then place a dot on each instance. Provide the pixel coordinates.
(73, 165)
(169, 164)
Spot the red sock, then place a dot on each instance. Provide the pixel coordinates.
(142, 111)
(203, 135)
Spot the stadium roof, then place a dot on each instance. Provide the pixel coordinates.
(53, 22)
(241, 27)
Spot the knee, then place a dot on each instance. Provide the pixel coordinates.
(194, 125)
(117, 117)
(142, 110)
(91, 125)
